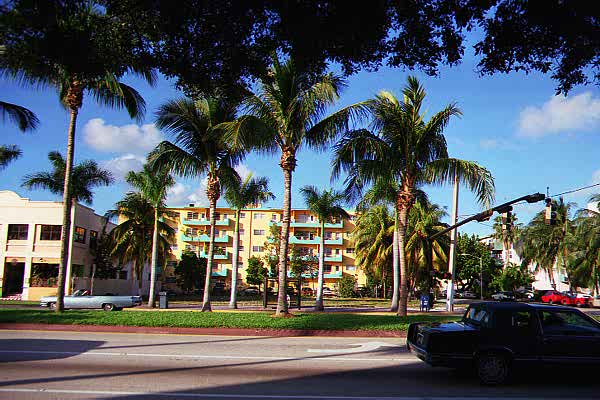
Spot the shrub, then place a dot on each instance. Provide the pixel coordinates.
(347, 284)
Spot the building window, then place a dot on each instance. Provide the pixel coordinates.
(79, 235)
(351, 268)
(337, 268)
(327, 268)
(337, 252)
(173, 214)
(350, 250)
(258, 215)
(93, 239)
(17, 231)
(242, 232)
(242, 215)
(217, 215)
(123, 275)
(191, 232)
(50, 232)
(273, 217)
(192, 215)
(258, 249)
(259, 231)
(241, 248)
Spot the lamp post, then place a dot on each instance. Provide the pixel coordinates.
(480, 272)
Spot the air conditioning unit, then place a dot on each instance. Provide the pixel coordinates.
(191, 205)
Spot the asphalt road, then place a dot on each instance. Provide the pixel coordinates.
(57, 365)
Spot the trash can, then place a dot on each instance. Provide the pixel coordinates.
(163, 300)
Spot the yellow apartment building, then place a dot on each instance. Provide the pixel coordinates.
(192, 225)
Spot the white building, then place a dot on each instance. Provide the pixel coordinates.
(30, 247)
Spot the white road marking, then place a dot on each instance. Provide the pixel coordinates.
(249, 396)
(201, 356)
(362, 347)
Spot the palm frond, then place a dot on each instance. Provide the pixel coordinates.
(24, 118)
(8, 154)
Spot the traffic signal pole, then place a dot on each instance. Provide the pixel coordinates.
(452, 257)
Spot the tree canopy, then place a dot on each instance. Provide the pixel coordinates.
(205, 44)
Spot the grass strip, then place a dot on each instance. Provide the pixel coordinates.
(194, 319)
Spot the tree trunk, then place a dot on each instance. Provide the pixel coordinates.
(403, 304)
(66, 220)
(282, 304)
(319, 301)
(234, 262)
(211, 251)
(153, 262)
(395, 267)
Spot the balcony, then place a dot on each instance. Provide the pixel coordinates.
(338, 241)
(204, 222)
(297, 240)
(313, 224)
(223, 256)
(204, 238)
(222, 272)
(333, 275)
(333, 258)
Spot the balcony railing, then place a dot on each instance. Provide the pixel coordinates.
(312, 224)
(205, 222)
(204, 238)
(333, 258)
(223, 256)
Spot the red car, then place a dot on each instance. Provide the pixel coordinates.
(554, 297)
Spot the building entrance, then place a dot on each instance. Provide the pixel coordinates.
(13, 279)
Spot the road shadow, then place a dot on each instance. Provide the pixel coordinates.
(12, 350)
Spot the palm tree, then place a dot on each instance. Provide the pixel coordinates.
(198, 149)
(86, 176)
(373, 237)
(585, 259)
(284, 114)
(426, 255)
(132, 240)
(326, 206)
(239, 196)
(25, 119)
(407, 151)
(153, 186)
(547, 245)
(8, 153)
(78, 49)
(507, 231)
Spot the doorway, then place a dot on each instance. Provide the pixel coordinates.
(13, 279)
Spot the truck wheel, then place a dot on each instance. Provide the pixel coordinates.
(52, 306)
(108, 307)
(493, 368)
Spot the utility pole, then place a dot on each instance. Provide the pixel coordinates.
(452, 256)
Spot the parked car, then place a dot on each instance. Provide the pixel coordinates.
(495, 337)
(171, 293)
(250, 290)
(306, 291)
(82, 299)
(577, 300)
(555, 297)
(504, 296)
(466, 295)
(328, 292)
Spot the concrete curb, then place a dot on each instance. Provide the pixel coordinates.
(200, 331)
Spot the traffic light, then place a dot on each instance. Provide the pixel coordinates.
(507, 219)
(550, 216)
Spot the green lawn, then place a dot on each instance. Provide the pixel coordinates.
(318, 321)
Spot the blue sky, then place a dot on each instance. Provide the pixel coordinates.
(512, 124)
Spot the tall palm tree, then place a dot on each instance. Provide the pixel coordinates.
(25, 119)
(238, 196)
(548, 245)
(287, 112)
(8, 153)
(153, 186)
(78, 49)
(199, 149)
(132, 239)
(426, 255)
(373, 237)
(327, 206)
(405, 149)
(506, 231)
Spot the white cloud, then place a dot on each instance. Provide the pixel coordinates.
(127, 138)
(244, 171)
(498, 144)
(560, 114)
(120, 166)
(182, 193)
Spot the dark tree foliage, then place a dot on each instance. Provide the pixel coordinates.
(468, 266)
(256, 272)
(208, 44)
(347, 284)
(190, 272)
(104, 269)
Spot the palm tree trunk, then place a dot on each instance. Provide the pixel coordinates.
(211, 251)
(395, 267)
(234, 262)
(153, 262)
(403, 304)
(66, 221)
(282, 305)
(321, 276)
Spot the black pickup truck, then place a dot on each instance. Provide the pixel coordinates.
(493, 337)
